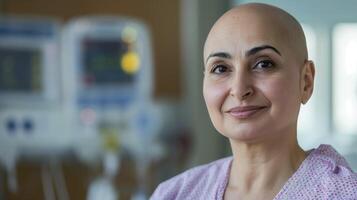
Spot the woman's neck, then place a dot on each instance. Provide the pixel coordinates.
(263, 168)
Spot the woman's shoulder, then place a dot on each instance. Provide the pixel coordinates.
(338, 176)
(208, 178)
(327, 175)
(334, 164)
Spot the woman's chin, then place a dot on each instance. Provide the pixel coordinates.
(245, 138)
(246, 135)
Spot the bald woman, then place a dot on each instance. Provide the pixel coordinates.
(257, 75)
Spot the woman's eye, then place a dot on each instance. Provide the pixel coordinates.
(265, 64)
(219, 69)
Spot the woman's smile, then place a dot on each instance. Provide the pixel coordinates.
(245, 112)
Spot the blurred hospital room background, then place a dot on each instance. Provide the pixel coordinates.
(102, 100)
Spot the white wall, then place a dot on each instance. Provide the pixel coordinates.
(315, 11)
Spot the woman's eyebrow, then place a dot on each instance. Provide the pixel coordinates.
(250, 52)
(255, 50)
(219, 54)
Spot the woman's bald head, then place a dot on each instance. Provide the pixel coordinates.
(272, 23)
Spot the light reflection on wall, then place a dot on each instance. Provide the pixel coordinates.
(345, 78)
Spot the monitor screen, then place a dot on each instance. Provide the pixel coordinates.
(101, 62)
(20, 70)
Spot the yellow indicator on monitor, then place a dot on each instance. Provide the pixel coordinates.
(129, 34)
(130, 62)
(110, 139)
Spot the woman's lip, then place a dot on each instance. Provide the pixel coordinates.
(244, 112)
(245, 108)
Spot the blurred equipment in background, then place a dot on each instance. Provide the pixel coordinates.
(88, 101)
(108, 73)
(77, 115)
(31, 117)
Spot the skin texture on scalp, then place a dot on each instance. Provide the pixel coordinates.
(288, 28)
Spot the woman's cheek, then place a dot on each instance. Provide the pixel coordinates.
(283, 95)
(214, 95)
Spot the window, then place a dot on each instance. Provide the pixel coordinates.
(344, 77)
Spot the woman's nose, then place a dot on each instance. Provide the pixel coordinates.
(241, 86)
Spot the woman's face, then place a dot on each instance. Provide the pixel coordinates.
(253, 85)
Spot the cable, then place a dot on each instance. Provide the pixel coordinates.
(60, 182)
(48, 189)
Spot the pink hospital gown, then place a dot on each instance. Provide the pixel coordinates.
(323, 175)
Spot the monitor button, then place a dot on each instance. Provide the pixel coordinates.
(28, 125)
(11, 126)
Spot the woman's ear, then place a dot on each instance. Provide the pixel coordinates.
(307, 82)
